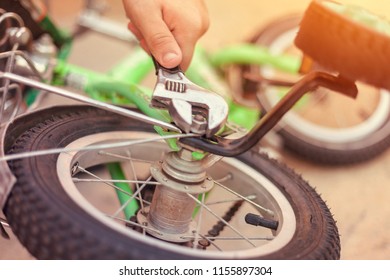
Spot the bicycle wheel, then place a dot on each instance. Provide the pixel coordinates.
(325, 126)
(57, 215)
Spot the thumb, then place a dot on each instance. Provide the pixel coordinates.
(161, 43)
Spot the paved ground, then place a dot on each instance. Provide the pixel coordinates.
(358, 195)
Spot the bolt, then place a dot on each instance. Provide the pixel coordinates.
(204, 243)
(199, 124)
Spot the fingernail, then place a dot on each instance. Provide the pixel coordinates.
(170, 58)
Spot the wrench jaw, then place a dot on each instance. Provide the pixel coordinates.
(192, 108)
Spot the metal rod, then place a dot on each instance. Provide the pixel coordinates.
(221, 219)
(131, 198)
(98, 179)
(250, 197)
(91, 20)
(233, 147)
(210, 238)
(197, 231)
(136, 224)
(246, 199)
(91, 148)
(135, 178)
(84, 99)
(4, 222)
(124, 157)
(77, 180)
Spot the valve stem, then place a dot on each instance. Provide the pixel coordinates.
(257, 220)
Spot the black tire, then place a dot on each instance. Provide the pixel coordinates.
(51, 225)
(306, 142)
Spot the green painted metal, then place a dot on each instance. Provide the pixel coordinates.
(125, 192)
(255, 55)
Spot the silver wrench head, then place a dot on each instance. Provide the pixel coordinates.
(192, 108)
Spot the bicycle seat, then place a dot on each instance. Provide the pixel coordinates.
(348, 40)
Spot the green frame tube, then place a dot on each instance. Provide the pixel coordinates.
(255, 55)
(132, 207)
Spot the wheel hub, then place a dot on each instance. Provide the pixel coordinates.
(182, 179)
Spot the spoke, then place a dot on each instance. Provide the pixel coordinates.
(230, 238)
(98, 179)
(249, 197)
(199, 222)
(135, 224)
(124, 157)
(228, 216)
(226, 178)
(136, 179)
(221, 219)
(269, 211)
(115, 181)
(93, 147)
(238, 238)
(131, 198)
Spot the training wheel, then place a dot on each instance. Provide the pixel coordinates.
(348, 40)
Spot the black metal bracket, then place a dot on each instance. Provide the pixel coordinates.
(233, 147)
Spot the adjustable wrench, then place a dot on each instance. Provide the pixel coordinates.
(192, 108)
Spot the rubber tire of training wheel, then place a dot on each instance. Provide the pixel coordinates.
(321, 152)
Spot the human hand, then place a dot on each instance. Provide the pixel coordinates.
(168, 29)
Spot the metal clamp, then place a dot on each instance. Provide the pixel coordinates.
(235, 146)
(193, 108)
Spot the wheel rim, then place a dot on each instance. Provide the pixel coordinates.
(352, 121)
(229, 172)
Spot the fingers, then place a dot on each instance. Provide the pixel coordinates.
(187, 46)
(162, 44)
(139, 36)
(155, 36)
(168, 30)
